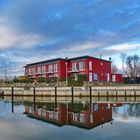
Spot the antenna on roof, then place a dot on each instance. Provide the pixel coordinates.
(100, 56)
(66, 58)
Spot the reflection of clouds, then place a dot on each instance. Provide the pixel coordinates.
(18, 126)
(127, 119)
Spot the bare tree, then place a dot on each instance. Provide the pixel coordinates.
(123, 57)
(114, 69)
(130, 65)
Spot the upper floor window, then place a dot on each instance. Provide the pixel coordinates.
(26, 70)
(33, 71)
(90, 65)
(39, 70)
(43, 69)
(50, 68)
(101, 63)
(81, 66)
(30, 71)
(74, 67)
(55, 67)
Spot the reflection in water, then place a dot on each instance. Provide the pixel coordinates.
(15, 126)
(75, 114)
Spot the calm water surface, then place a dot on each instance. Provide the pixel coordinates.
(77, 121)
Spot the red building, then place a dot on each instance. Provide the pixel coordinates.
(95, 69)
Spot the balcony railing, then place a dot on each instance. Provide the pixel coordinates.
(70, 70)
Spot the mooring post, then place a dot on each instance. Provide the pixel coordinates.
(90, 97)
(2, 94)
(55, 96)
(107, 95)
(72, 91)
(98, 96)
(125, 95)
(34, 102)
(116, 95)
(134, 95)
(12, 99)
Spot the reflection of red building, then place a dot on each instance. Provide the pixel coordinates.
(57, 116)
(88, 118)
(99, 114)
(95, 69)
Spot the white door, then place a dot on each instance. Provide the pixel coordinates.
(108, 77)
(113, 78)
(90, 76)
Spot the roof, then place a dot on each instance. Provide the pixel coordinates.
(46, 61)
(58, 59)
(87, 56)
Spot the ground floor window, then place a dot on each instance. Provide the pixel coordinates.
(95, 76)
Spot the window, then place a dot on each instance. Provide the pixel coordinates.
(91, 118)
(76, 76)
(75, 117)
(33, 71)
(39, 70)
(50, 76)
(90, 77)
(81, 66)
(90, 65)
(74, 67)
(43, 69)
(56, 75)
(26, 70)
(95, 76)
(101, 63)
(30, 71)
(55, 67)
(96, 107)
(50, 68)
(82, 118)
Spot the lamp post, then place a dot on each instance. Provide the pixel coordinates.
(66, 71)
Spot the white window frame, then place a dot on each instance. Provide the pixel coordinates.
(50, 68)
(55, 67)
(90, 77)
(82, 66)
(90, 65)
(74, 66)
(95, 76)
(30, 71)
(43, 69)
(39, 70)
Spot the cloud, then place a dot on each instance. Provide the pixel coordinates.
(9, 38)
(124, 47)
(38, 30)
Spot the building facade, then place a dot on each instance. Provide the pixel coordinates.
(95, 69)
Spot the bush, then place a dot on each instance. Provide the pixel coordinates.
(41, 79)
(79, 82)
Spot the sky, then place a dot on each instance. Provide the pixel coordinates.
(36, 30)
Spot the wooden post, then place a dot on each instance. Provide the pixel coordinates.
(34, 102)
(116, 95)
(90, 97)
(134, 95)
(125, 95)
(98, 96)
(72, 91)
(12, 99)
(55, 96)
(2, 94)
(107, 95)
